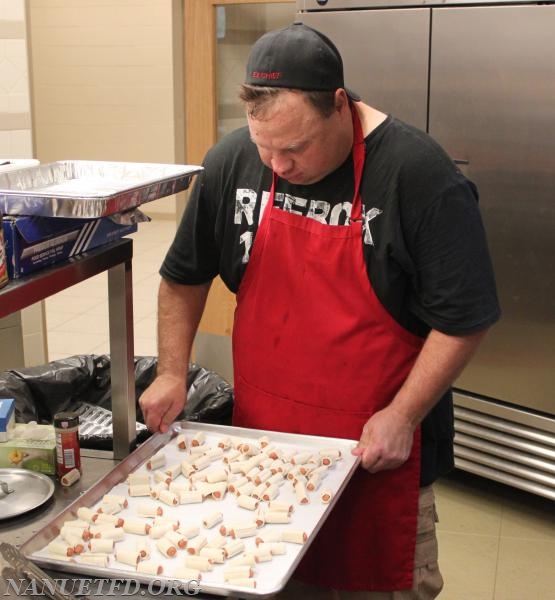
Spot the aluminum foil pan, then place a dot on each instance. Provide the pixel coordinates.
(89, 189)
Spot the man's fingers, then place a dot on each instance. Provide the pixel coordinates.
(169, 417)
(370, 458)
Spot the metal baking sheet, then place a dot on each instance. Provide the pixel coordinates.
(89, 189)
(30, 490)
(270, 576)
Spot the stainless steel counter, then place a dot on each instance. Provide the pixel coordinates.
(17, 530)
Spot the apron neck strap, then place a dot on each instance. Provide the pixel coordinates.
(359, 154)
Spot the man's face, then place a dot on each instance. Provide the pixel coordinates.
(296, 142)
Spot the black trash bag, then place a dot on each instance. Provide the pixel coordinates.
(81, 383)
(209, 397)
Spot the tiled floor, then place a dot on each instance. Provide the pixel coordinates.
(77, 318)
(496, 543)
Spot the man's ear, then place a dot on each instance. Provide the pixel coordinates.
(341, 100)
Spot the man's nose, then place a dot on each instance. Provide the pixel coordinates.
(281, 165)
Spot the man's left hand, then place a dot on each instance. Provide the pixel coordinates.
(386, 441)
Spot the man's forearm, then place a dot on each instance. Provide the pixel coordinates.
(387, 436)
(440, 362)
(180, 308)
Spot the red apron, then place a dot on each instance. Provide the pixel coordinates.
(316, 353)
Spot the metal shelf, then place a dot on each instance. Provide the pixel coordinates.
(115, 258)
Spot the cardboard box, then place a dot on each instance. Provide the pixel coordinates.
(33, 454)
(7, 418)
(33, 243)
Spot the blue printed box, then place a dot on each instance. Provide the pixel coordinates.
(33, 243)
(7, 418)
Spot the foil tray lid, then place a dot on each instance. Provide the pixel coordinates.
(89, 189)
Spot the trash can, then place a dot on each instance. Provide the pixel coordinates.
(81, 384)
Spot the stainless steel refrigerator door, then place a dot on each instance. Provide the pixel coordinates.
(385, 55)
(492, 102)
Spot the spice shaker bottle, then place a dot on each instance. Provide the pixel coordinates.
(68, 453)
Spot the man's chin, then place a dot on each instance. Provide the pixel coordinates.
(300, 180)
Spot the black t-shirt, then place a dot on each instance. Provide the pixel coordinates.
(423, 238)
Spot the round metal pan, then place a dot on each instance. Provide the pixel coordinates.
(30, 490)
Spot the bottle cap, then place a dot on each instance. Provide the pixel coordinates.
(66, 420)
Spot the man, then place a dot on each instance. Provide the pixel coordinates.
(364, 286)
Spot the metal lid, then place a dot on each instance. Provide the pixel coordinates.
(23, 490)
(66, 420)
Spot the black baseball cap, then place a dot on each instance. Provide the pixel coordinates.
(296, 57)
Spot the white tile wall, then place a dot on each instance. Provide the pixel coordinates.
(103, 82)
(12, 10)
(14, 85)
(21, 333)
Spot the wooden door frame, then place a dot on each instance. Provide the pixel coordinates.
(201, 122)
(200, 73)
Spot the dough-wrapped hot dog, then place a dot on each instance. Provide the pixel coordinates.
(188, 530)
(149, 509)
(111, 519)
(136, 526)
(192, 497)
(172, 471)
(326, 496)
(294, 536)
(216, 475)
(233, 548)
(127, 556)
(150, 567)
(177, 539)
(101, 545)
(70, 478)
(110, 533)
(300, 493)
(274, 548)
(232, 486)
(159, 531)
(143, 548)
(273, 535)
(162, 477)
(156, 461)
(169, 498)
(86, 514)
(277, 516)
(195, 545)
(198, 439)
(97, 559)
(212, 519)
(244, 559)
(60, 548)
(313, 482)
(243, 530)
(110, 508)
(200, 563)
(166, 547)
(217, 555)
(138, 479)
(276, 505)
(69, 536)
(139, 489)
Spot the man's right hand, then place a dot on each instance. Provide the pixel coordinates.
(162, 401)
